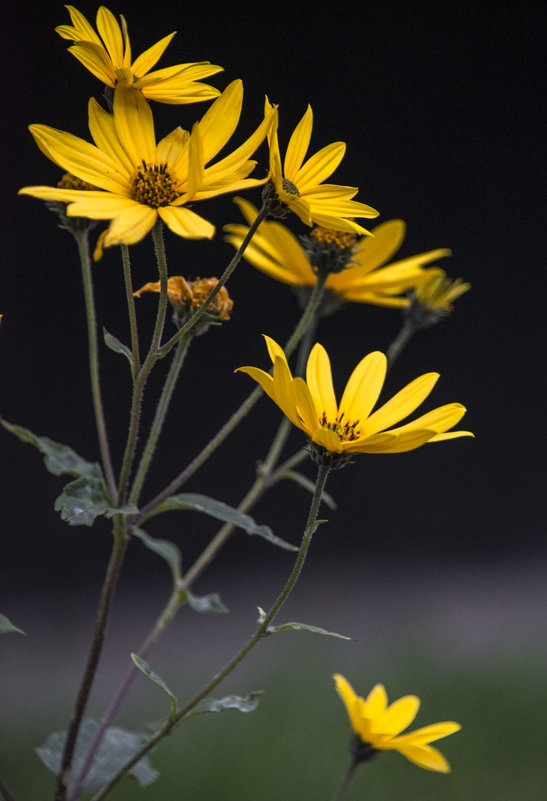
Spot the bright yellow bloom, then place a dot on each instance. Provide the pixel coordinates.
(192, 294)
(379, 726)
(138, 180)
(277, 252)
(108, 54)
(349, 427)
(438, 293)
(299, 185)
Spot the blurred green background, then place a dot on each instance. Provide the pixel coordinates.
(466, 639)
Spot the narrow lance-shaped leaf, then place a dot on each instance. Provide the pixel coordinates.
(58, 458)
(246, 704)
(116, 749)
(220, 511)
(147, 671)
(309, 485)
(304, 627)
(85, 499)
(7, 627)
(114, 344)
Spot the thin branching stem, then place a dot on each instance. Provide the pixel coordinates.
(262, 630)
(82, 239)
(136, 362)
(346, 781)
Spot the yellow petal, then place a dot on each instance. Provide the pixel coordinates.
(82, 28)
(111, 34)
(399, 715)
(80, 158)
(134, 124)
(186, 223)
(364, 387)
(376, 701)
(99, 206)
(220, 121)
(319, 166)
(146, 60)
(275, 351)
(298, 144)
(319, 380)
(306, 408)
(103, 131)
(389, 442)
(262, 378)
(402, 404)
(130, 226)
(95, 59)
(437, 420)
(428, 734)
(348, 696)
(426, 757)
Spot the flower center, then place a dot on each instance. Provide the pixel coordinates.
(289, 187)
(153, 185)
(348, 431)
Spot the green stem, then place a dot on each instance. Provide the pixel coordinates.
(245, 407)
(107, 594)
(149, 362)
(135, 365)
(6, 795)
(82, 239)
(346, 781)
(405, 334)
(262, 631)
(199, 313)
(159, 418)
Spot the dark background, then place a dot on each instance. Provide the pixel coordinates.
(440, 108)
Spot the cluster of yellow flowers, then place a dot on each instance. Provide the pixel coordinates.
(131, 179)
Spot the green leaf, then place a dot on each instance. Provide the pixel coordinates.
(206, 603)
(118, 347)
(167, 550)
(58, 458)
(247, 704)
(6, 626)
(305, 482)
(83, 500)
(220, 511)
(116, 749)
(145, 668)
(304, 627)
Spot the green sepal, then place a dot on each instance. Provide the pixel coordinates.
(116, 749)
(304, 627)
(309, 485)
(114, 344)
(147, 671)
(7, 627)
(84, 499)
(221, 511)
(247, 704)
(58, 458)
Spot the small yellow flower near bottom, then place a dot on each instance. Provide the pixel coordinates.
(377, 727)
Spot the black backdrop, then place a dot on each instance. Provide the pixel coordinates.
(440, 108)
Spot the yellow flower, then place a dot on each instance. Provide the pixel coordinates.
(438, 293)
(107, 54)
(191, 295)
(299, 186)
(138, 180)
(277, 252)
(378, 727)
(349, 427)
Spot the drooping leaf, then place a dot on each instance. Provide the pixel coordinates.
(116, 749)
(6, 626)
(145, 668)
(114, 344)
(58, 458)
(309, 485)
(220, 511)
(206, 603)
(247, 704)
(304, 627)
(167, 550)
(84, 499)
